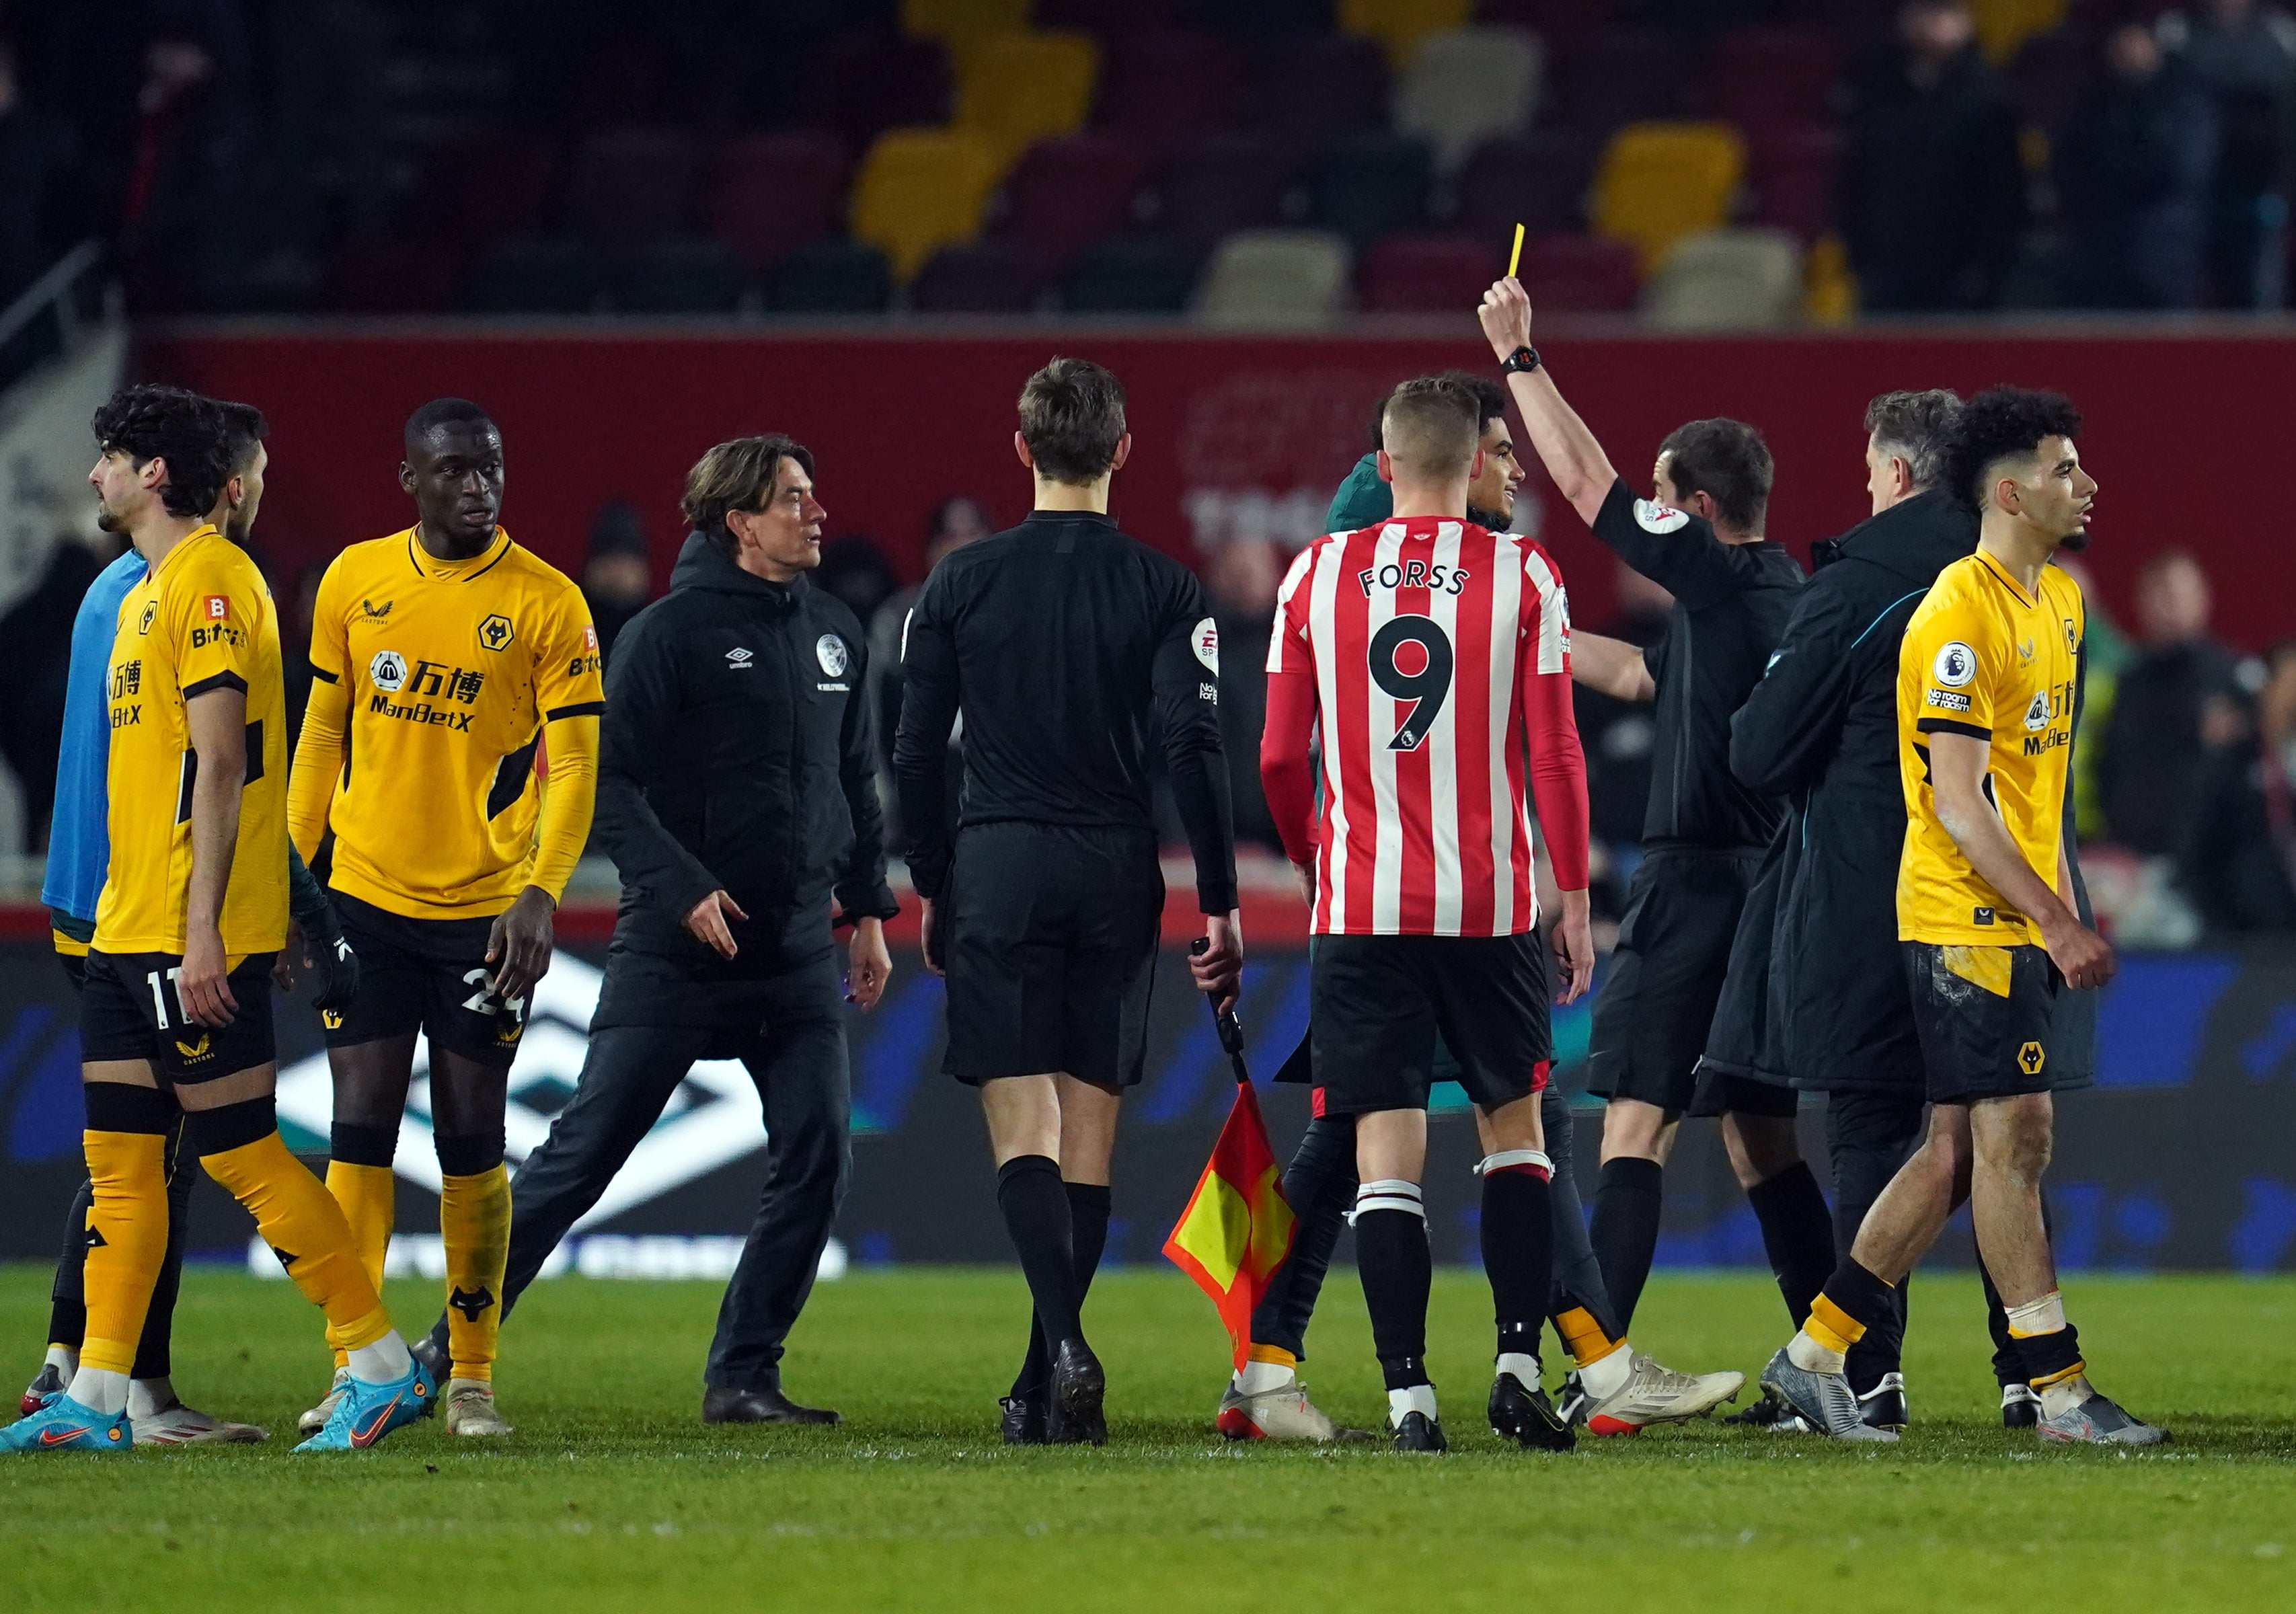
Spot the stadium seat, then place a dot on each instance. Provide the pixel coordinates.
(2005, 25)
(873, 82)
(1467, 87)
(1658, 182)
(1271, 279)
(1561, 23)
(832, 277)
(1016, 88)
(1578, 274)
(1400, 26)
(691, 276)
(1136, 274)
(1066, 193)
(394, 276)
(1312, 89)
(1765, 78)
(1427, 275)
(1726, 279)
(1169, 89)
(1829, 291)
(501, 185)
(769, 193)
(981, 277)
(630, 186)
(1228, 183)
(1792, 172)
(529, 275)
(919, 190)
(960, 23)
(1371, 185)
(1624, 76)
(1108, 19)
(1538, 181)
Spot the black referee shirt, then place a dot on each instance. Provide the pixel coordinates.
(1731, 603)
(1069, 649)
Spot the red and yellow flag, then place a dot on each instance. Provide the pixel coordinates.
(1237, 1228)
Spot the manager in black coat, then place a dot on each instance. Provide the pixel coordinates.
(736, 794)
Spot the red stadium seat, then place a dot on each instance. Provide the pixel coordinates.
(631, 186)
(1538, 181)
(1108, 19)
(873, 82)
(1580, 274)
(979, 277)
(1167, 88)
(1561, 23)
(1227, 184)
(1792, 172)
(1624, 76)
(771, 193)
(1314, 90)
(1766, 78)
(1427, 273)
(1066, 193)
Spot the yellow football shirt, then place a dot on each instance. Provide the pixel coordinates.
(203, 620)
(450, 669)
(1982, 659)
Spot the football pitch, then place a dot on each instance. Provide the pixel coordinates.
(612, 1495)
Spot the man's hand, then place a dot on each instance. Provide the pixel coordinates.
(203, 985)
(522, 942)
(1505, 315)
(708, 922)
(1218, 969)
(1305, 873)
(2083, 957)
(294, 958)
(868, 965)
(929, 935)
(1574, 949)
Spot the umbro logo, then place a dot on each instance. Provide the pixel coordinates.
(739, 658)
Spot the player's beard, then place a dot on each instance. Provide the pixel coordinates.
(105, 522)
(2075, 541)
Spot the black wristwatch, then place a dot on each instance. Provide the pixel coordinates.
(1522, 361)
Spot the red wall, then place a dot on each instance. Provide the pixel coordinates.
(901, 420)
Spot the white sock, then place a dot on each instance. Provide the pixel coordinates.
(1606, 1378)
(63, 1358)
(2066, 1393)
(383, 1360)
(1261, 1376)
(99, 1390)
(1525, 1368)
(1402, 1403)
(2045, 1315)
(1807, 1355)
(149, 1397)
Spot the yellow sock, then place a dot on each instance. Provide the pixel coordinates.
(300, 1219)
(1832, 1327)
(1588, 1342)
(474, 1223)
(1273, 1354)
(127, 1222)
(369, 1197)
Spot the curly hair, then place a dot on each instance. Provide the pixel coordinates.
(182, 429)
(2001, 423)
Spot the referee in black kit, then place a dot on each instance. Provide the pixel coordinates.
(1066, 646)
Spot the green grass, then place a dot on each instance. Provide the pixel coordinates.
(611, 1496)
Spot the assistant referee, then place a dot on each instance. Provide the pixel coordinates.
(1065, 645)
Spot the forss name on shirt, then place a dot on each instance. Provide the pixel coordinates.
(1431, 574)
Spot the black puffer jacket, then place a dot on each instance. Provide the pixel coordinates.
(735, 756)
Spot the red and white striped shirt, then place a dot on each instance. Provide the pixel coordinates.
(1435, 657)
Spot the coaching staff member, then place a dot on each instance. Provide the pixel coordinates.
(1067, 647)
(736, 795)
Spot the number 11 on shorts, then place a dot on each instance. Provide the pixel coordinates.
(159, 998)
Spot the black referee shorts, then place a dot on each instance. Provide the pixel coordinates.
(1050, 947)
(1656, 1000)
(128, 1010)
(427, 975)
(1378, 1003)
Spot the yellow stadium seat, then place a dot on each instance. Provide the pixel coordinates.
(1659, 182)
(1399, 25)
(919, 190)
(2004, 25)
(1014, 89)
(1829, 287)
(958, 23)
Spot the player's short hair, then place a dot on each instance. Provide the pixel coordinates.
(736, 475)
(155, 423)
(1727, 461)
(1429, 429)
(444, 411)
(243, 426)
(1917, 428)
(2004, 423)
(1072, 418)
(1490, 398)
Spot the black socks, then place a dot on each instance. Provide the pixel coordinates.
(1518, 1234)
(1625, 1231)
(1036, 1206)
(1088, 1205)
(1797, 1235)
(1398, 1270)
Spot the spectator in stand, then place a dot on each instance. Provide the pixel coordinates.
(857, 571)
(2152, 749)
(618, 578)
(1932, 190)
(2238, 860)
(2243, 55)
(2134, 172)
(37, 631)
(184, 235)
(1243, 577)
(954, 523)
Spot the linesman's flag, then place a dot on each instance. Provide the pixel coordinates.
(1238, 1226)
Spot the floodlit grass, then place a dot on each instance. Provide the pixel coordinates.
(611, 1496)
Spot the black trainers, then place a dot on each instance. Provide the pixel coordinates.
(1523, 1414)
(1024, 1420)
(1074, 1415)
(1770, 1414)
(1884, 1405)
(1419, 1433)
(2020, 1408)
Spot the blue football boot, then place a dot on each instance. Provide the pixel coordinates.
(63, 1425)
(368, 1412)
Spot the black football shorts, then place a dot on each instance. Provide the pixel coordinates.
(1983, 1015)
(1377, 1005)
(128, 1011)
(427, 975)
(1656, 1003)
